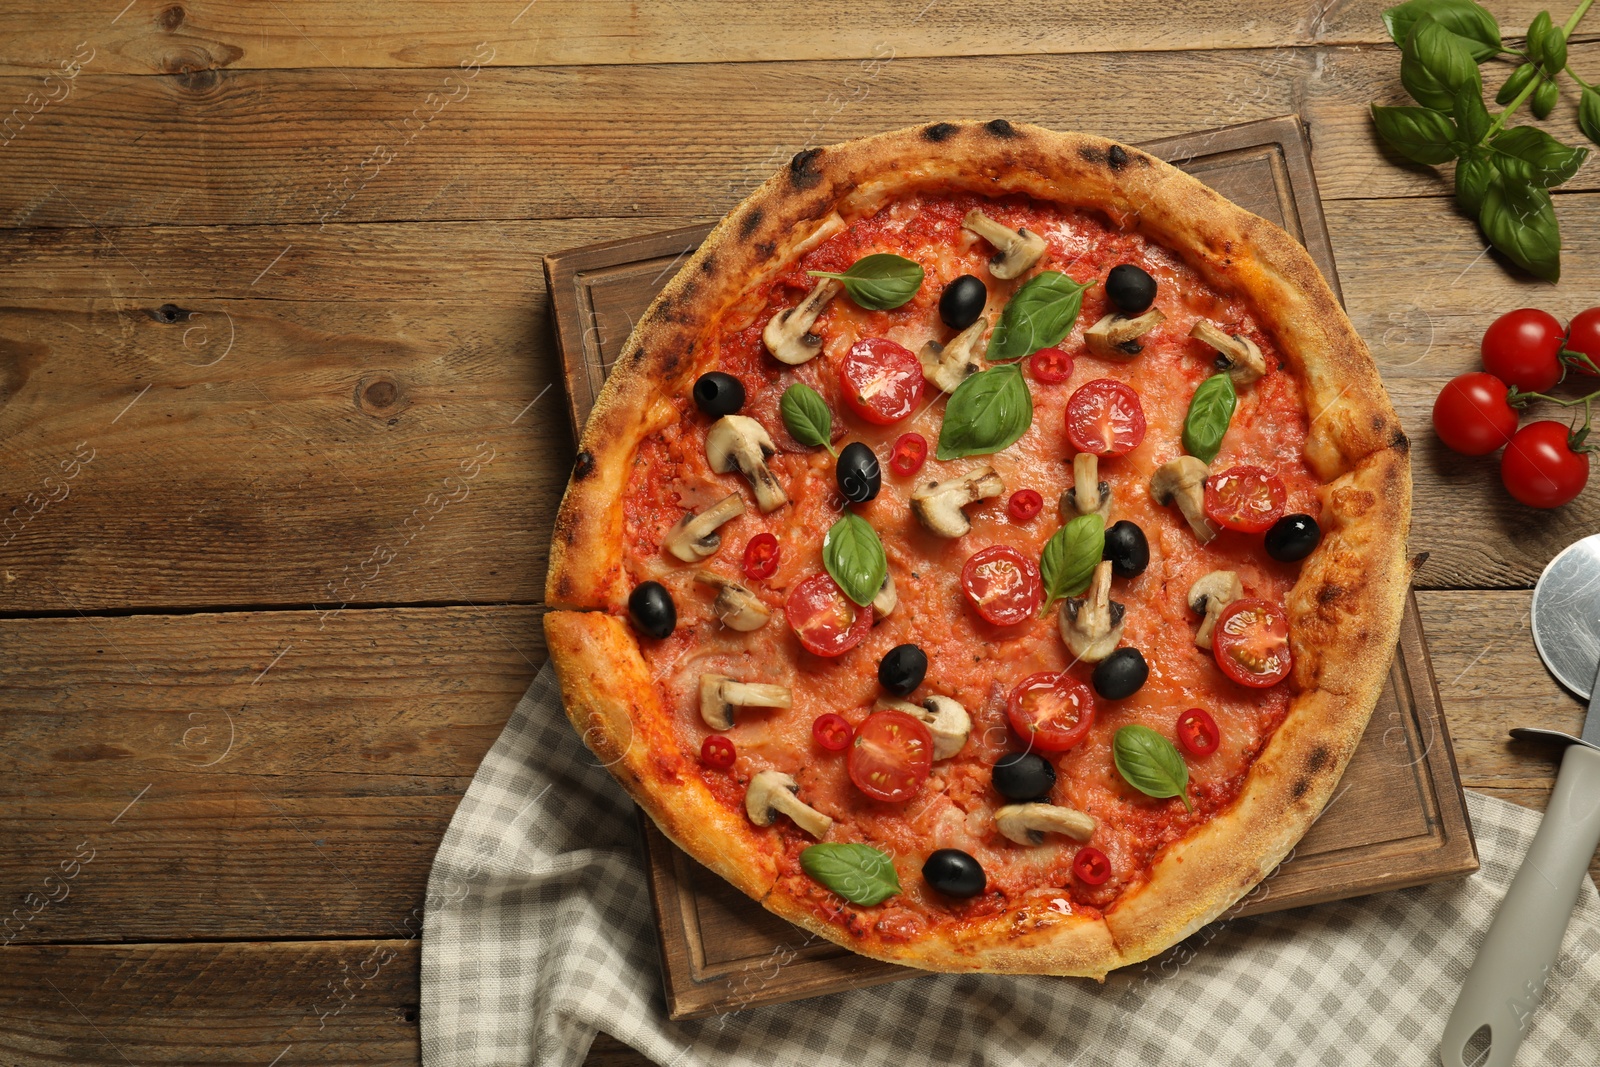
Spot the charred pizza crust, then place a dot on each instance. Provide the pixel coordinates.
(1344, 610)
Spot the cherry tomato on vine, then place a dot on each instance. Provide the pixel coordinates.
(1244, 498)
(1024, 505)
(882, 380)
(891, 756)
(1471, 415)
(1091, 866)
(1523, 348)
(717, 751)
(1051, 711)
(910, 450)
(1198, 733)
(1583, 338)
(1541, 468)
(1105, 417)
(827, 622)
(1003, 585)
(1050, 366)
(833, 732)
(1251, 643)
(761, 556)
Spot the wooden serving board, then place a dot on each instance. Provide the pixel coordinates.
(1397, 819)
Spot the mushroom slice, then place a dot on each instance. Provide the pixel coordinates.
(1117, 336)
(1091, 624)
(885, 602)
(1236, 354)
(946, 719)
(938, 504)
(1184, 479)
(1097, 501)
(736, 606)
(719, 695)
(694, 537)
(1208, 596)
(948, 365)
(740, 443)
(788, 334)
(772, 793)
(1015, 250)
(1026, 824)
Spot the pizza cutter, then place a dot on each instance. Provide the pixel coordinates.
(1515, 959)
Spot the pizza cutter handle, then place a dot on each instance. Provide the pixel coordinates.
(1516, 957)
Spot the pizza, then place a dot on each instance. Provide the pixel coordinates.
(986, 552)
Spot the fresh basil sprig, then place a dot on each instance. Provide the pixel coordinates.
(1210, 411)
(988, 411)
(806, 417)
(1151, 764)
(859, 873)
(854, 556)
(1037, 316)
(880, 281)
(1503, 173)
(1070, 557)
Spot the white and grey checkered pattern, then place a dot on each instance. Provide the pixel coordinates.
(538, 933)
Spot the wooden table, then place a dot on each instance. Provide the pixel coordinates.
(270, 294)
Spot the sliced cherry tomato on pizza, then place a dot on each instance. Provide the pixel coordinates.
(1051, 366)
(1091, 866)
(1198, 733)
(910, 450)
(1003, 585)
(882, 380)
(1244, 498)
(1251, 643)
(825, 620)
(1025, 505)
(1051, 711)
(832, 732)
(891, 756)
(761, 556)
(1105, 417)
(717, 751)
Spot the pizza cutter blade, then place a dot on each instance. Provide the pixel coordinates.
(1514, 961)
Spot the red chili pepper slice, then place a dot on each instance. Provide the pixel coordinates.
(761, 556)
(1025, 505)
(1091, 866)
(717, 751)
(910, 450)
(832, 732)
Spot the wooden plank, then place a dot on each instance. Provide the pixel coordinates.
(243, 775)
(163, 37)
(609, 141)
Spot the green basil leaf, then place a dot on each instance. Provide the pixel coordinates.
(1516, 83)
(1589, 115)
(880, 281)
(1547, 43)
(987, 412)
(1150, 763)
(1039, 315)
(1552, 162)
(854, 556)
(1070, 557)
(859, 873)
(1537, 29)
(1463, 18)
(1472, 118)
(1210, 410)
(1435, 65)
(1418, 133)
(1544, 99)
(1520, 221)
(806, 416)
(1474, 174)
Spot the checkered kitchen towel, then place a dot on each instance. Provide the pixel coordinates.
(538, 934)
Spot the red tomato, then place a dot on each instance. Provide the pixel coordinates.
(891, 756)
(1583, 339)
(1106, 418)
(761, 556)
(717, 751)
(1051, 711)
(827, 622)
(1091, 866)
(1540, 467)
(882, 381)
(1025, 505)
(1051, 366)
(1003, 585)
(1247, 499)
(1523, 348)
(1471, 415)
(910, 450)
(832, 732)
(1251, 643)
(1198, 733)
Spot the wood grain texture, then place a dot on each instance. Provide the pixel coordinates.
(160, 36)
(237, 146)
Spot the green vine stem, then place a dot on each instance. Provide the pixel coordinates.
(1528, 90)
